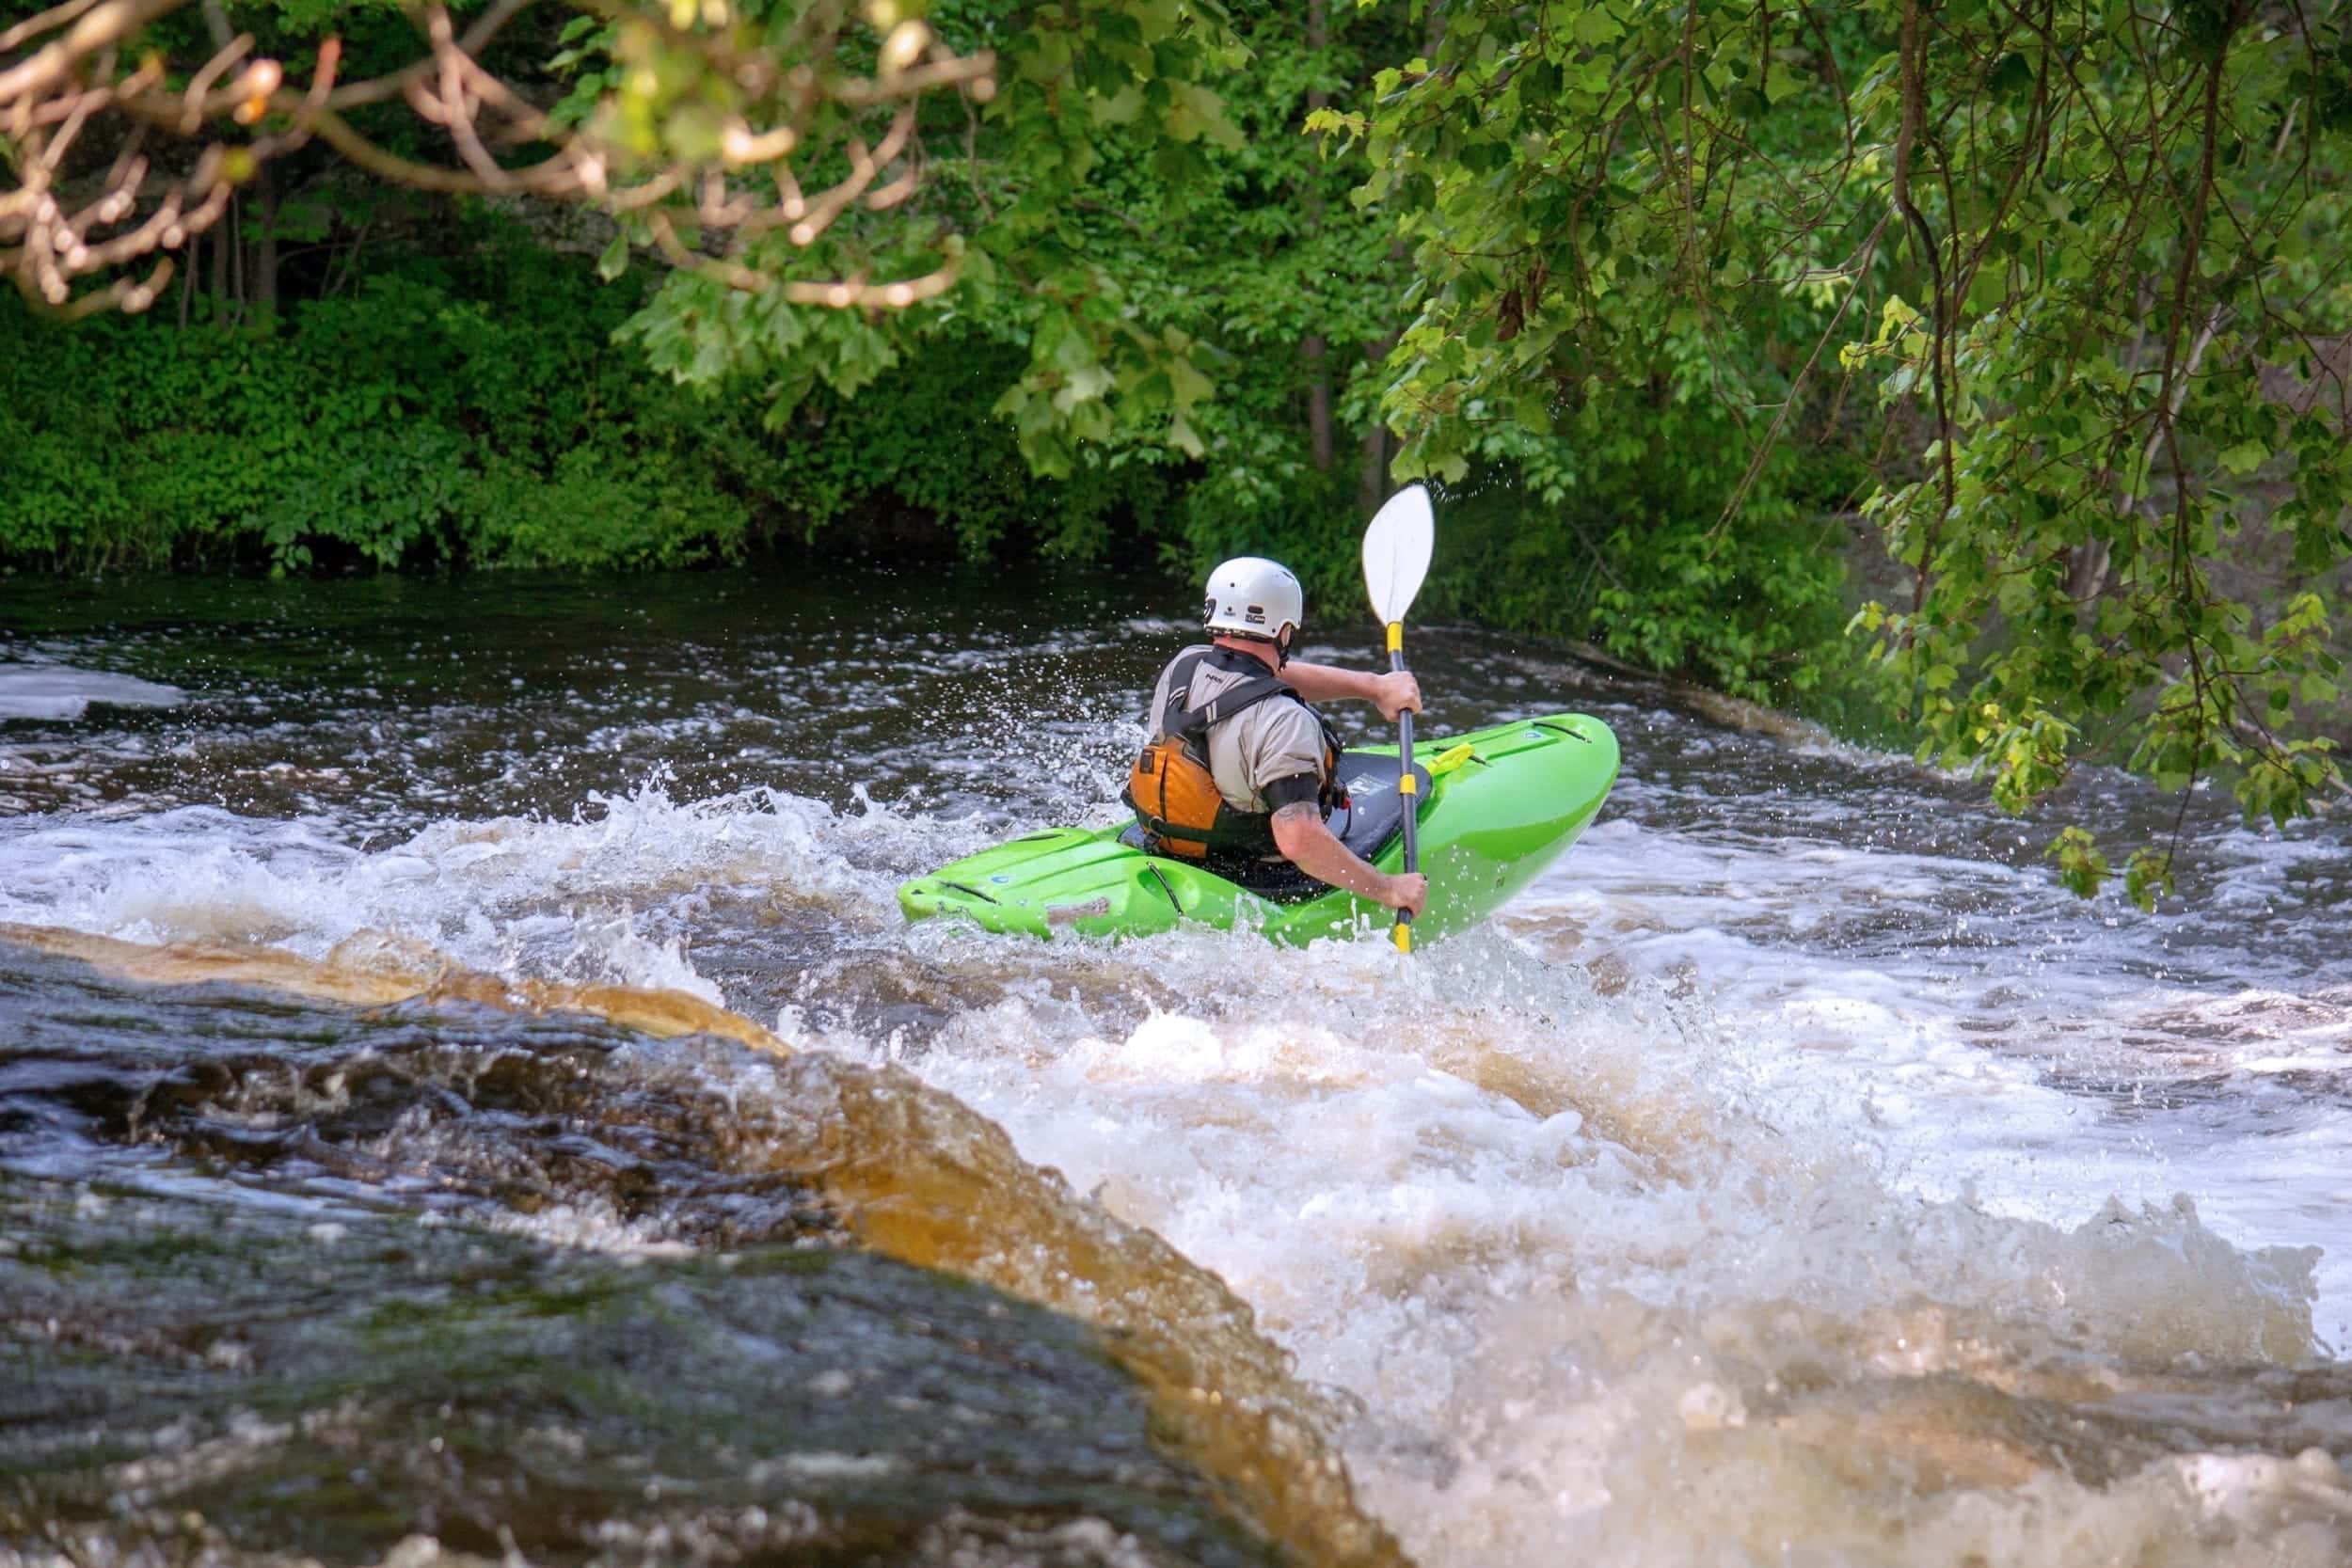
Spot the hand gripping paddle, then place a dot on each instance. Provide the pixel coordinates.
(1396, 559)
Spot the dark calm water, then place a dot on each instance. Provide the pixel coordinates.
(465, 1088)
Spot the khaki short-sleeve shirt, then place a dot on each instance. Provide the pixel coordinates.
(1276, 740)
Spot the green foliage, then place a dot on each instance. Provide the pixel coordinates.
(1103, 117)
(478, 412)
(472, 415)
(1634, 369)
(916, 442)
(2081, 868)
(1613, 530)
(601, 505)
(1159, 275)
(2084, 257)
(1140, 261)
(1137, 302)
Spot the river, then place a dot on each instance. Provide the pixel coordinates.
(465, 1088)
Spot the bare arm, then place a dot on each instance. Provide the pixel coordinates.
(1300, 833)
(1392, 691)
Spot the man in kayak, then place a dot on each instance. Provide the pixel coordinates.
(1240, 769)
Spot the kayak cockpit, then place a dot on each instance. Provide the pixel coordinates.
(1368, 819)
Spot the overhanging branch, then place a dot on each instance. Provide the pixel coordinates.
(641, 153)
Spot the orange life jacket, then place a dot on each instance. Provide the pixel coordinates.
(1170, 786)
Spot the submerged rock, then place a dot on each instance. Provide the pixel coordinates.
(195, 1376)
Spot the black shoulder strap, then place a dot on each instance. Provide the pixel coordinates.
(1179, 690)
(1194, 722)
(1189, 723)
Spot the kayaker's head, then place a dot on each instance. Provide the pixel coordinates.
(1254, 600)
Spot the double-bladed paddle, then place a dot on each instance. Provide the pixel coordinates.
(1396, 559)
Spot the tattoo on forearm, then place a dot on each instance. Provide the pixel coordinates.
(1296, 810)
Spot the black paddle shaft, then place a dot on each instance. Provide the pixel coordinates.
(1407, 783)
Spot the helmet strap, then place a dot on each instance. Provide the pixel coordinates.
(1282, 646)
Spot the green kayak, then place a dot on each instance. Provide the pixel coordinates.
(1498, 805)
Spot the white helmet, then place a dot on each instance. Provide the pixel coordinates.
(1254, 597)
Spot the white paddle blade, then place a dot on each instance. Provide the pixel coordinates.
(1396, 552)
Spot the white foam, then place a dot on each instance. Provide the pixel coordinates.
(605, 896)
(42, 689)
(1557, 1243)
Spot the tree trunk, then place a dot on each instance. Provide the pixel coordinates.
(2087, 575)
(236, 254)
(340, 269)
(222, 233)
(1373, 484)
(1313, 352)
(262, 256)
(1379, 449)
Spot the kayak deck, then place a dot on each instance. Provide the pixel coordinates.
(1502, 804)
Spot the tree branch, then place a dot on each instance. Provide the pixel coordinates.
(71, 76)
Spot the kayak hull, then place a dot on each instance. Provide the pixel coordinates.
(1493, 819)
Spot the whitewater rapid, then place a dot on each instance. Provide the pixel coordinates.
(1771, 1185)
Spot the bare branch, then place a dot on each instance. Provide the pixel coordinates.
(70, 75)
(35, 26)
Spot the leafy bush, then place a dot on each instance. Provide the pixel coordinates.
(476, 410)
(468, 413)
